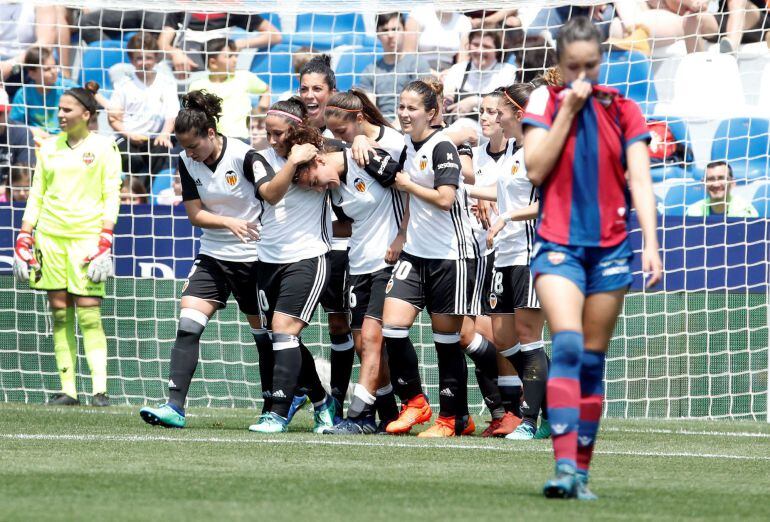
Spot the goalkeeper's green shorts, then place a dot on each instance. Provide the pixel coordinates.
(62, 267)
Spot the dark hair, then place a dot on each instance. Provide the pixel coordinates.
(19, 170)
(497, 93)
(320, 64)
(720, 163)
(37, 55)
(294, 106)
(303, 134)
(578, 29)
(519, 93)
(347, 105)
(427, 90)
(142, 42)
(384, 18)
(85, 96)
(534, 58)
(200, 112)
(217, 45)
(495, 34)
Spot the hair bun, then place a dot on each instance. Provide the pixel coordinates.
(92, 86)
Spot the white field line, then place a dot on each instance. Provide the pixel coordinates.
(750, 434)
(383, 444)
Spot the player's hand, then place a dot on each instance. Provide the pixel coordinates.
(100, 261)
(182, 63)
(362, 150)
(395, 248)
(652, 266)
(302, 153)
(244, 230)
(482, 211)
(403, 181)
(493, 231)
(24, 256)
(163, 140)
(574, 97)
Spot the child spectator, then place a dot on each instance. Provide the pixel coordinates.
(16, 141)
(142, 111)
(234, 87)
(257, 129)
(171, 195)
(19, 184)
(133, 191)
(37, 104)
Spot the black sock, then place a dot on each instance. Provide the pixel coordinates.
(265, 350)
(184, 355)
(451, 371)
(534, 378)
(510, 391)
(286, 370)
(385, 404)
(362, 403)
(402, 361)
(309, 381)
(341, 360)
(484, 356)
(513, 354)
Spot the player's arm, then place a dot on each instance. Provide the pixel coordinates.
(268, 35)
(640, 185)
(446, 170)
(273, 187)
(397, 245)
(488, 193)
(381, 167)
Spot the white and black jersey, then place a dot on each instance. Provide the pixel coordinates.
(367, 198)
(391, 141)
(514, 191)
(486, 168)
(225, 188)
(297, 227)
(433, 233)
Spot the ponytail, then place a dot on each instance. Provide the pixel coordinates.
(347, 105)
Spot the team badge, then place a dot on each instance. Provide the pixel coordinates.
(556, 258)
(493, 301)
(231, 178)
(423, 162)
(360, 185)
(88, 158)
(389, 285)
(515, 168)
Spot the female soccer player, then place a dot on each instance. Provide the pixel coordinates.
(317, 85)
(579, 143)
(434, 270)
(293, 267)
(217, 176)
(72, 209)
(516, 317)
(365, 196)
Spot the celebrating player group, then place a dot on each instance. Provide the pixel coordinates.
(377, 225)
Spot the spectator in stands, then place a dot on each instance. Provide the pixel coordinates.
(441, 36)
(720, 201)
(533, 57)
(550, 19)
(234, 87)
(171, 195)
(23, 26)
(142, 110)
(133, 191)
(36, 104)
(19, 184)
(16, 142)
(504, 18)
(300, 57)
(185, 35)
(386, 78)
(257, 129)
(113, 24)
(484, 72)
(736, 22)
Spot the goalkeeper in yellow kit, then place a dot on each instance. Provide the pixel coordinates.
(65, 243)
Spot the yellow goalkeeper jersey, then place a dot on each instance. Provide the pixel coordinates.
(75, 189)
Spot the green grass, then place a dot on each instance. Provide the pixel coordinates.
(86, 464)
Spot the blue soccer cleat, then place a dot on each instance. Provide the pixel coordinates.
(270, 423)
(164, 415)
(563, 485)
(581, 487)
(297, 403)
(523, 431)
(360, 426)
(324, 415)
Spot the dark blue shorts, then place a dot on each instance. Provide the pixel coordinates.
(592, 269)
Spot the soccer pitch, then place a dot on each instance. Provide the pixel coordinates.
(86, 464)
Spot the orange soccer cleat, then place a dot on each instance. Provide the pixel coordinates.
(445, 427)
(508, 424)
(416, 411)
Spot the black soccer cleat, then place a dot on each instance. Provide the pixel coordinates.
(360, 426)
(100, 400)
(62, 399)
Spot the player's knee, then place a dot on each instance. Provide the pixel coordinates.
(191, 322)
(567, 349)
(89, 318)
(338, 324)
(371, 341)
(59, 316)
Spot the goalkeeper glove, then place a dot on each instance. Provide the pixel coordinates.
(23, 256)
(100, 261)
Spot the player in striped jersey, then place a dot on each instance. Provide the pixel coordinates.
(217, 177)
(365, 197)
(586, 149)
(317, 85)
(434, 270)
(72, 208)
(293, 266)
(516, 317)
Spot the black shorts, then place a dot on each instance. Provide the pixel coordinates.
(292, 289)
(367, 296)
(334, 298)
(214, 280)
(443, 286)
(481, 283)
(512, 288)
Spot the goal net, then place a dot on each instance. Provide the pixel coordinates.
(696, 346)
